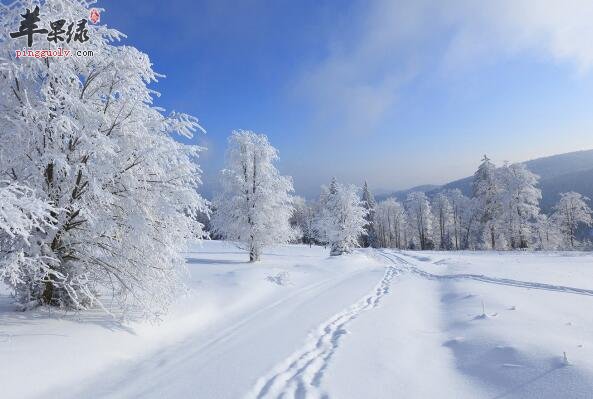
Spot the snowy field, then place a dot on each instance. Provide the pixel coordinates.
(375, 324)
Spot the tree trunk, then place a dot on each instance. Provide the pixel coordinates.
(254, 255)
(48, 293)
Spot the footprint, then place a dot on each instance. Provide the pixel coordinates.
(300, 375)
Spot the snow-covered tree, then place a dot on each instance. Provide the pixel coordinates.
(520, 203)
(390, 224)
(486, 191)
(471, 238)
(21, 214)
(547, 234)
(459, 204)
(420, 219)
(319, 208)
(255, 204)
(370, 238)
(341, 219)
(570, 212)
(303, 220)
(443, 217)
(83, 134)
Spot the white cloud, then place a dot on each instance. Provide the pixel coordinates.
(387, 43)
(560, 30)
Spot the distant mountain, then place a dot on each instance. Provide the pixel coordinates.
(402, 194)
(579, 181)
(572, 171)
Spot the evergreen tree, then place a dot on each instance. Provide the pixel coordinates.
(341, 219)
(370, 238)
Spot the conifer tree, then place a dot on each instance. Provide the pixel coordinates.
(341, 219)
(370, 238)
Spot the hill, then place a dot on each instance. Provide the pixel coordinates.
(571, 171)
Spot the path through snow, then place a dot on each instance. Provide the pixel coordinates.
(408, 266)
(300, 375)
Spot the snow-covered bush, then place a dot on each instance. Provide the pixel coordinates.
(255, 205)
(82, 132)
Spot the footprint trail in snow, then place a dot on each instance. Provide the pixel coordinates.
(299, 376)
(411, 267)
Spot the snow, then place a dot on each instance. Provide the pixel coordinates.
(373, 324)
(516, 348)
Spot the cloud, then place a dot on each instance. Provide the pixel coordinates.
(559, 30)
(368, 61)
(386, 44)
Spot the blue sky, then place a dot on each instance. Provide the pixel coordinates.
(399, 93)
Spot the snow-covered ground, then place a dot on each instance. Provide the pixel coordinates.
(375, 324)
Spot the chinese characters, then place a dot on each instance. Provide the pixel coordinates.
(29, 26)
(77, 32)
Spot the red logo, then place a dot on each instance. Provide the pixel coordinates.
(95, 16)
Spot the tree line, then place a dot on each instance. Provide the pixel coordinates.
(503, 213)
(256, 207)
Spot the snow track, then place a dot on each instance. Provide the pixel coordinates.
(299, 376)
(408, 266)
(151, 376)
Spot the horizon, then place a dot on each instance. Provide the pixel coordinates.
(382, 192)
(389, 192)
